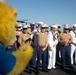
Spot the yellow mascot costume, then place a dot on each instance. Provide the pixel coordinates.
(15, 63)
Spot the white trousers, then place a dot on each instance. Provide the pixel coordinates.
(52, 58)
(73, 49)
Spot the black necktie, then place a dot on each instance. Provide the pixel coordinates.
(53, 36)
(75, 34)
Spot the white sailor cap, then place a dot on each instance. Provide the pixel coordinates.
(44, 26)
(54, 26)
(19, 25)
(25, 26)
(74, 25)
(32, 24)
(41, 23)
(59, 26)
(66, 26)
(28, 25)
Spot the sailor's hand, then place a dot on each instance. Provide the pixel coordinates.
(44, 48)
(54, 45)
(9, 47)
(50, 49)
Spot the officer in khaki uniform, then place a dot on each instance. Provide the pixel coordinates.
(18, 32)
(24, 35)
(19, 29)
(25, 38)
(39, 26)
(42, 43)
(65, 39)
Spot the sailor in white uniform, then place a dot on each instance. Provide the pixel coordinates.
(73, 45)
(52, 40)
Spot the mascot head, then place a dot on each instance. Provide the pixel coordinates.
(7, 22)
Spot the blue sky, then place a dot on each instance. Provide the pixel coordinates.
(48, 11)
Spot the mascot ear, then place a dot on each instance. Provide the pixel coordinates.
(15, 12)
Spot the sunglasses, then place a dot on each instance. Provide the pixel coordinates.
(66, 29)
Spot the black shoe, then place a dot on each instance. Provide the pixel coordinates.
(45, 70)
(37, 72)
(49, 69)
(74, 63)
(29, 72)
(71, 67)
(58, 61)
(63, 68)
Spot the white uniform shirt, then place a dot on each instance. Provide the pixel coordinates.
(34, 37)
(51, 42)
(73, 36)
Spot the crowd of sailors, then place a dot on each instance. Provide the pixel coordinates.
(50, 45)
